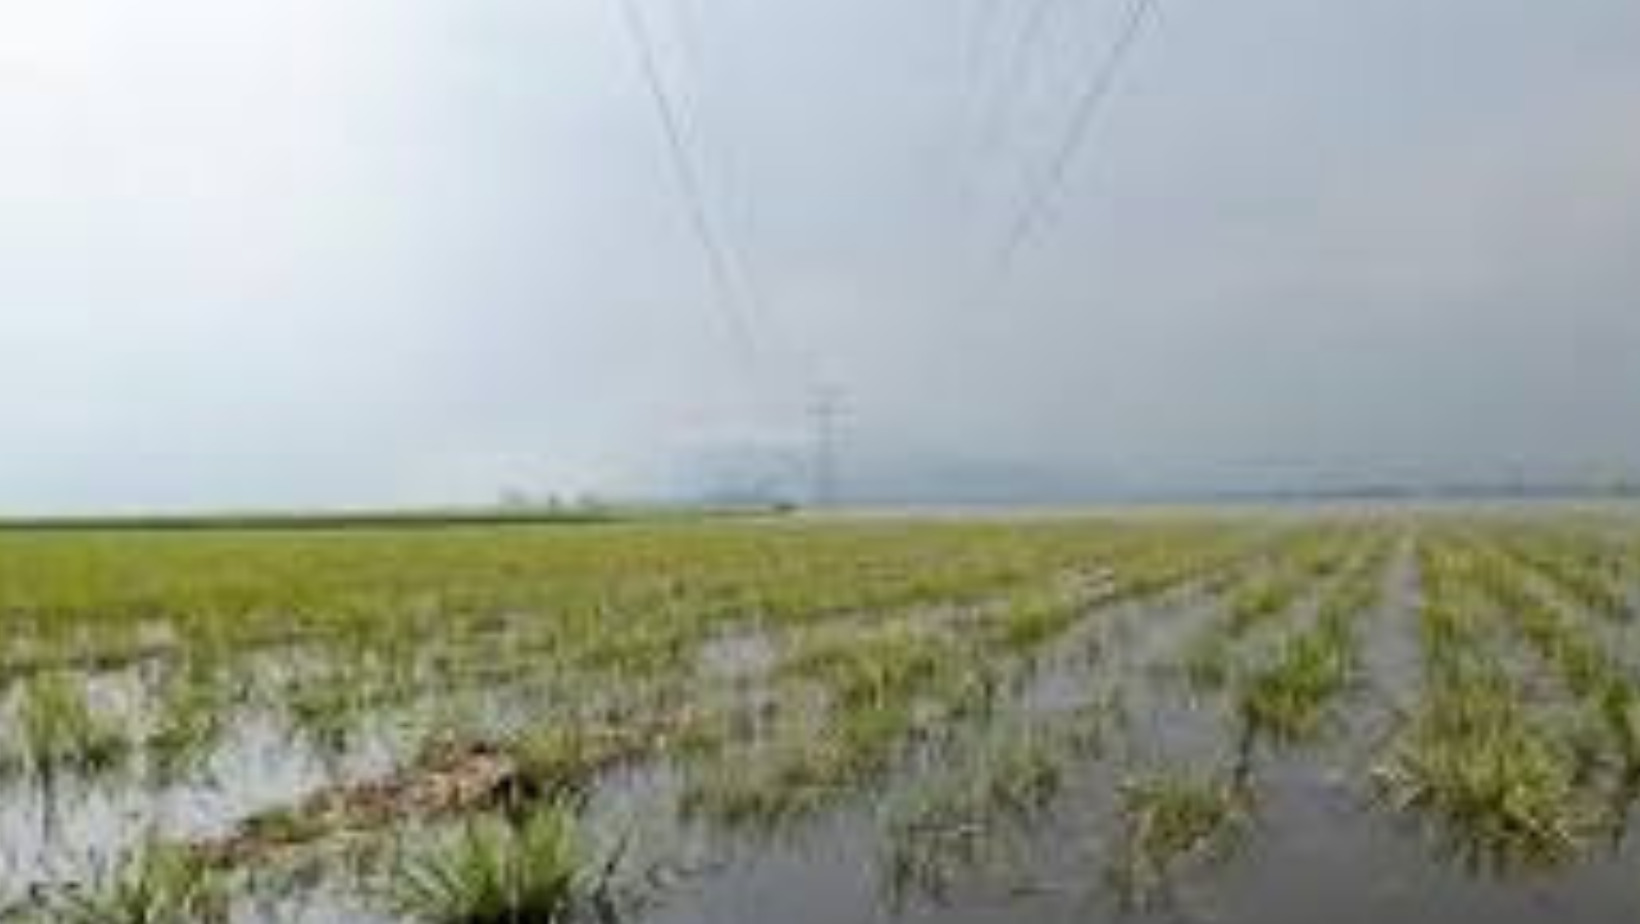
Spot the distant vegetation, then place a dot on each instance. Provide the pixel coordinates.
(523, 515)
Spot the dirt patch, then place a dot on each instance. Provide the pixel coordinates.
(450, 780)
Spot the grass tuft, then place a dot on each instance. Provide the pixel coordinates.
(59, 731)
(1501, 791)
(155, 885)
(497, 871)
(1168, 819)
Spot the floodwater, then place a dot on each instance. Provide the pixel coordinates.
(1320, 848)
(1317, 845)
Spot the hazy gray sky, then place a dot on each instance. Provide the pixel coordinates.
(379, 251)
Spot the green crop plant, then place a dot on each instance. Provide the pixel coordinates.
(498, 871)
(928, 667)
(325, 711)
(153, 885)
(60, 732)
(973, 814)
(880, 668)
(190, 724)
(1286, 701)
(1500, 789)
(1030, 620)
(792, 779)
(1167, 819)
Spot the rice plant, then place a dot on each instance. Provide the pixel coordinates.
(537, 868)
(60, 732)
(1167, 819)
(926, 662)
(1499, 790)
(1286, 700)
(191, 722)
(154, 885)
(975, 815)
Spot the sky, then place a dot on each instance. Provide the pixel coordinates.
(370, 252)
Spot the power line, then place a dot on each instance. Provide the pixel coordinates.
(1015, 74)
(721, 265)
(1089, 104)
(739, 294)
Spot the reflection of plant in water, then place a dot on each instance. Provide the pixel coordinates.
(1167, 819)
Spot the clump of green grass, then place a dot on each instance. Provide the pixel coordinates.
(1619, 706)
(59, 731)
(876, 669)
(505, 871)
(804, 772)
(1258, 601)
(189, 726)
(562, 760)
(873, 684)
(1502, 791)
(1030, 620)
(1168, 819)
(155, 885)
(1287, 700)
(1018, 774)
(324, 711)
(1586, 665)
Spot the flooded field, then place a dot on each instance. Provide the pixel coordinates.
(1239, 717)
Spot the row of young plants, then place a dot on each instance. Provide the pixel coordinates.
(200, 692)
(1484, 762)
(984, 812)
(347, 680)
(1573, 647)
(860, 702)
(1257, 600)
(889, 669)
(1277, 682)
(867, 695)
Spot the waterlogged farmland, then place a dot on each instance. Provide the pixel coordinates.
(1236, 717)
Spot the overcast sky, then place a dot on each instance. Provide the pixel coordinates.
(266, 252)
